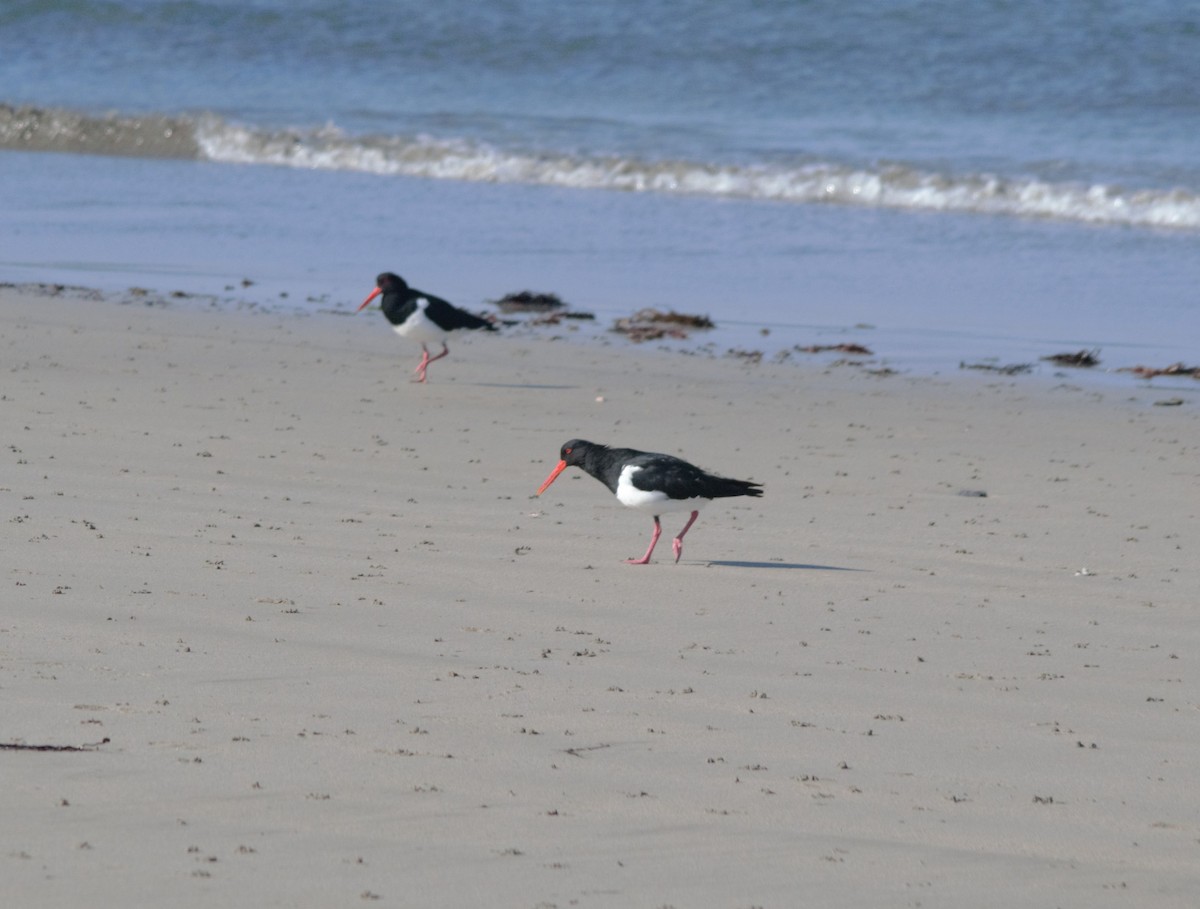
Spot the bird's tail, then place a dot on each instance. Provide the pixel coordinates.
(722, 487)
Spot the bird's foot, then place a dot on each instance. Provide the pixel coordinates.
(644, 560)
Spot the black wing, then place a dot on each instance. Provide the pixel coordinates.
(450, 317)
(681, 480)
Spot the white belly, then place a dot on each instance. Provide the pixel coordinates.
(420, 328)
(651, 501)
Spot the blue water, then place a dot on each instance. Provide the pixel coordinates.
(972, 180)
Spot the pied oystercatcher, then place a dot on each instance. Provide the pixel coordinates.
(657, 483)
(421, 317)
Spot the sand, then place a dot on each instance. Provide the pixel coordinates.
(317, 644)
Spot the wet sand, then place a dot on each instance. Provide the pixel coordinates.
(315, 643)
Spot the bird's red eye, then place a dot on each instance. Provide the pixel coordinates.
(567, 450)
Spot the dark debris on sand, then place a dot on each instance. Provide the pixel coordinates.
(1012, 369)
(856, 349)
(555, 318)
(54, 290)
(1175, 369)
(746, 356)
(21, 746)
(1080, 359)
(653, 324)
(528, 301)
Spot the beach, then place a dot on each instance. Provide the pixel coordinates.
(283, 628)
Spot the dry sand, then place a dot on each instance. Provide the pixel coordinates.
(336, 653)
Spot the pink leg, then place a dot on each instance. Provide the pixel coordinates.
(420, 370)
(445, 352)
(653, 541)
(677, 543)
(426, 360)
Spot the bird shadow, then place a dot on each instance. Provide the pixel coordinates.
(795, 566)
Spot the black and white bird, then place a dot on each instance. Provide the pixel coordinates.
(654, 483)
(421, 317)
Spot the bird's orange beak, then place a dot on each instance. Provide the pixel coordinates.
(375, 293)
(562, 465)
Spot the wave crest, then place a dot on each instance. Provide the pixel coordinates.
(887, 187)
(329, 148)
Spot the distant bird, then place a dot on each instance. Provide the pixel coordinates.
(421, 317)
(655, 483)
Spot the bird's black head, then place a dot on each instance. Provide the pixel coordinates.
(573, 452)
(389, 281)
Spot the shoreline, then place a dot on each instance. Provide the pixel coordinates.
(340, 652)
(697, 343)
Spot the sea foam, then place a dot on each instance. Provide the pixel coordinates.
(887, 186)
(892, 186)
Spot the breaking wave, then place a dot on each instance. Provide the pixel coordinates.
(208, 137)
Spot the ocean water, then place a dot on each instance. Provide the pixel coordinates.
(940, 181)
